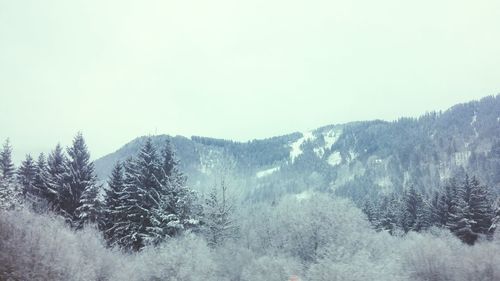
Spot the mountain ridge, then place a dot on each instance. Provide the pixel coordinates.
(355, 159)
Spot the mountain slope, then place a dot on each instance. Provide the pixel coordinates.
(356, 159)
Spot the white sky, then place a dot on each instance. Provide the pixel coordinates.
(240, 70)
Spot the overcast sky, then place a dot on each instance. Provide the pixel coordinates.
(231, 69)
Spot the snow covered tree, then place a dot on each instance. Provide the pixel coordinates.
(155, 200)
(55, 180)
(415, 214)
(26, 177)
(178, 209)
(218, 216)
(7, 170)
(41, 179)
(445, 203)
(78, 196)
(140, 196)
(10, 192)
(460, 220)
(390, 219)
(495, 222)
(480, 207)
(111, 214)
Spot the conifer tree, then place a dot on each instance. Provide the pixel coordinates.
(390, 214)
(460, 220)
(219, 221)
(26, 178)
(78, 197)
(7, 169)
(10, 192)
(140, 196)
(155, 201)
(177, 210)
(480, 207)
(55, 181)
(111, 213)
(41, 179)
(415, 216)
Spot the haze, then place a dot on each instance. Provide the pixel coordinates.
(238, 70)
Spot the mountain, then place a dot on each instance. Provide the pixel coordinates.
(356, 159)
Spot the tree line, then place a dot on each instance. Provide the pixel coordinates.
(145, 201)
(466, 208)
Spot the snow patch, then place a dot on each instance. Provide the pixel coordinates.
(473, 122)
(304, 195)
(352, 155)
(296, 146)
(330, 139)
(334, 159)
(265, 173)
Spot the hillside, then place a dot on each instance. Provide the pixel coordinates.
(356, 159)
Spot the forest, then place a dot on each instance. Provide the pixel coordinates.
(59, 222)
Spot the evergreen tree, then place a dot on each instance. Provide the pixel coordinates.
(460, 218)
(435, 212)
(10, 192)
(219, 222)
(26, 178)
(480, 207)
(140, 196)
(445, 203)
(55, 181)
(155, 201)
(177, 210)
(7, 170)
(111, 213)
(496, 219)
(390, 214)
(78, 197)
(41, 179)
(415, 215)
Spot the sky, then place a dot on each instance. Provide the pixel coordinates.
(240, 70)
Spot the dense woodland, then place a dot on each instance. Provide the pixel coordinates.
(57, 222)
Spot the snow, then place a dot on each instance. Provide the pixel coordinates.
(461, 158)
(473, 122)
(296, 146)
(265, 173)
(352, 155)
(330, 139)
(304, 195)
(334, 159)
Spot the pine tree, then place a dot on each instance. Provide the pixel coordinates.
(219, 222)
(7, 169)
(415, 213)
(55, 181)
(480, 207)
(435, 212)
(41, 180)
(177, 210)
(155, 200)
(111, 213)
(78, 197)
(445, 203)
(460, 218)
(496, 219)
(390, 215)
(10, 192)
(26, 177)
(140, 196)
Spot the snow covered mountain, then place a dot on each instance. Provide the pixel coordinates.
(356, 159)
